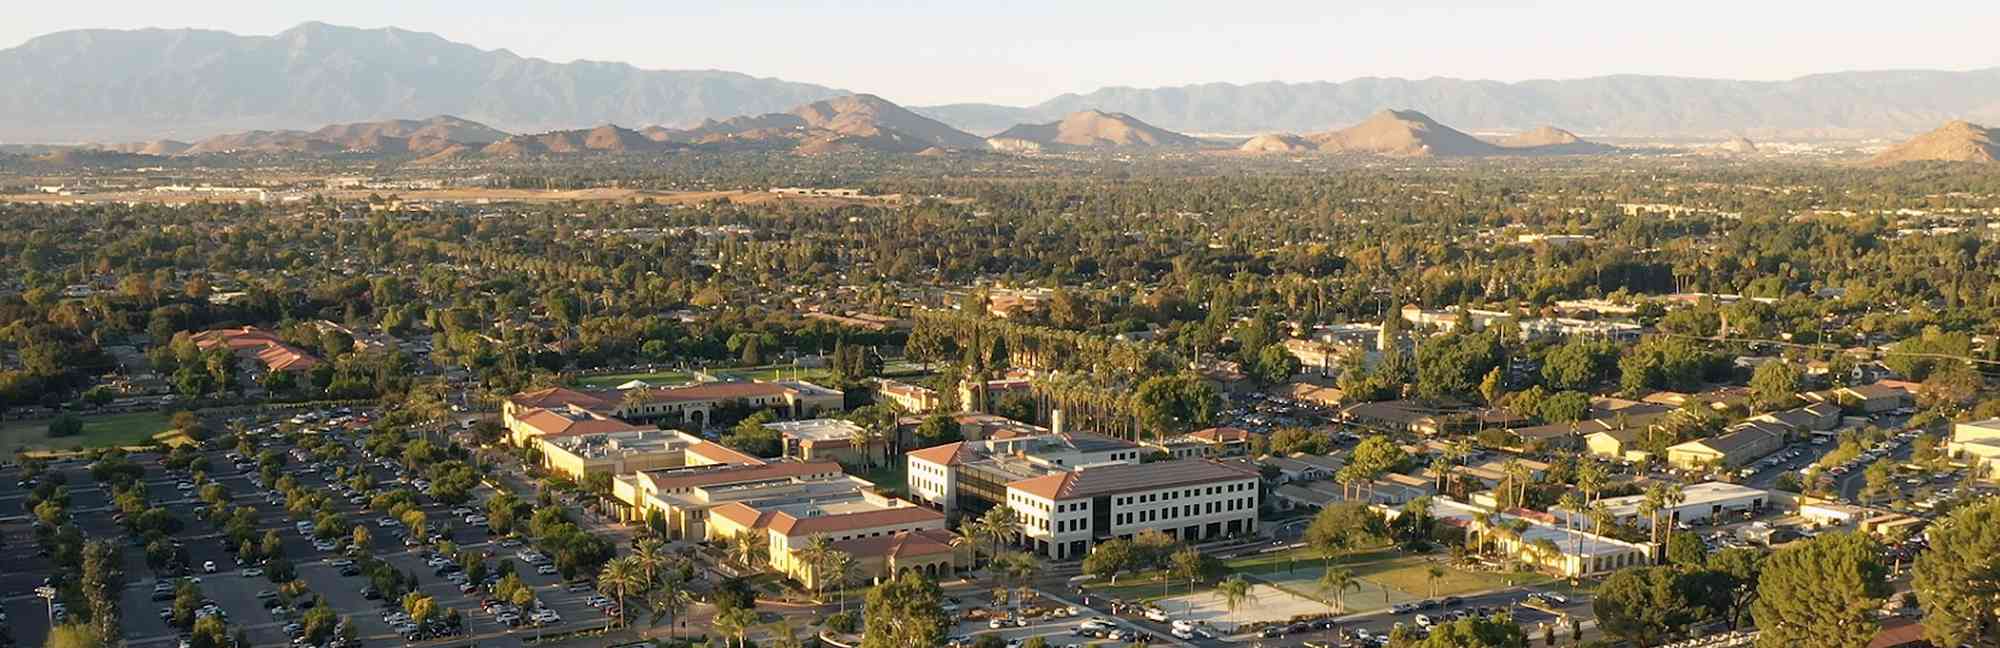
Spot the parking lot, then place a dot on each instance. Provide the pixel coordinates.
(237, 593)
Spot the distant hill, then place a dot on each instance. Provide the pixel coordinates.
(1957, 141)
(603, 139)
(189, 84)
(1843, 104)
(1737, 146)
(1402, 133)
(1277, 143)
(853, 122)
(155, 148)
(391, 137)
(1090, 129)
(1549, 140)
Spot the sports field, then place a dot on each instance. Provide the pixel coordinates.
(98, 431)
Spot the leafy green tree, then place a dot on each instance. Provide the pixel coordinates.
(1344, 526)
(65, 425)
(1275, 365)
(1175, 403)
(750, 436)
(74, 635)
(1957, 577)
(938, 429)
(904, 612)
(1109, 559)
(1564, 407)
(1578, 364)
(1498, 631)
(1822, 592)
(1775, 385)
(1685, 548)
(1742, 566)
(1644, 605)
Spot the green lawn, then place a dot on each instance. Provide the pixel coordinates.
(890, 477)
(98, 431)
(675, 377)
(1388, 576)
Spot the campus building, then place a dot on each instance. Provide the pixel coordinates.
(1063, 514)
(883, 534)
(825, 440)
(973, 475)
(676, 501)
(623, 452)
(1205, 444)
(1547, 543)
(1699, 502)
(1977, 443)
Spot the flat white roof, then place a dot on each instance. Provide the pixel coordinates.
(815, 429)
(1702, 494)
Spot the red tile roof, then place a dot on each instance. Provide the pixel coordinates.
(743, 515)
(1125, 478)
(560, 397)
(785, 523)
(714, 391)
(943, 455)
(553, 423)
(722, 454)
(1221, 434)
(907, 544)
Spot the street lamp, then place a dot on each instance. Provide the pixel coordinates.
(48, 594)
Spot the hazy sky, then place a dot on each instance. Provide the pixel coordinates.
(1022, 52)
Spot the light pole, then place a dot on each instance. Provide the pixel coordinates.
(48, 594)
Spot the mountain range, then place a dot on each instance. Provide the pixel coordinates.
(869, 123)
(187, 84)
(117, 85)
(1843, 105)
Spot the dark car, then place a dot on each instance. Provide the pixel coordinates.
(1453, 601)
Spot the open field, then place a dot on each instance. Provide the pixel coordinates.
(1387, 577)
(98, 431)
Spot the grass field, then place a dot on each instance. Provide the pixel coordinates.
(98, 431)
(675, 377)
(1388, 576)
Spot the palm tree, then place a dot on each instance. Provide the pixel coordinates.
(751, 549)
(1649, 506)
(1018, 568)
(736, 623)
(1235, 591)
(1431, 575)
(1440, 466)
(1337, 582)
(999, 523)
(1482, 524)
(619, 575)
(783, 635)
(1570, 503)
(842, 567)
(1544, 550)
(860, 439)
(814, 555)
(651, 555)
(1590, 479)
(668, 598)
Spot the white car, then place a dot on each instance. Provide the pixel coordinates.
(546, 570)
(253, 572)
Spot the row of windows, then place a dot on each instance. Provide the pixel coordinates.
(1183, 493)
(1187, 510)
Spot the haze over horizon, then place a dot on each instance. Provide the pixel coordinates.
(1028, 52)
